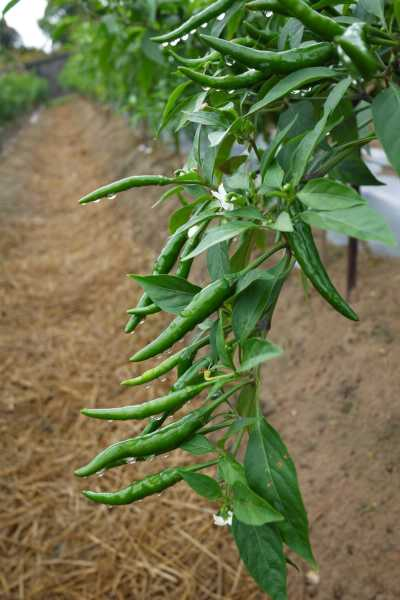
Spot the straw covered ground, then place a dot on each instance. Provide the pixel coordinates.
(63, 293)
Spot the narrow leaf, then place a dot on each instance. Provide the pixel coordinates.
(325, 194)
(219, 234)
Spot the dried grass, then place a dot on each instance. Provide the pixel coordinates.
(63, 297)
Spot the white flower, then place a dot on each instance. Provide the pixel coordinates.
(222, 198)
(220, 520)
(193, 230)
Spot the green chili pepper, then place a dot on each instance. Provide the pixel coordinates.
(269, 5)
(162, 265)
(166, 365)
(135, 181)
(195, 62)
(353, 43)
(285, 61)
(225, 82)
(302, 244)
(161, 441)
(143, 311)
(195, 21)
(153, 484)
(172, 401)
(193, 375)
(201, 306)
(324, 26)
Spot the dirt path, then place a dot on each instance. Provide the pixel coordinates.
(63, 293)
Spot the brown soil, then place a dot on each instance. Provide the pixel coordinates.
(334, 394)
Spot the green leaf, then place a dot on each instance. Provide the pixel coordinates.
(246, 404)
(376, 8)
(312, 139)
(217, 235)
(202, 484)
(271, 473)
(282, 223)
(325, 194)
(218, 260)
(229, 166)
(361, 222)
(221, 346)
(386, 115)
(261, 550)
(180, 217)
(249, 307)
(291, 82)
(250, 508)
(256, 351)
(9, 6)
(171, 108)
(270, 152)
(189, 105)
(198, 445)
(169, 292)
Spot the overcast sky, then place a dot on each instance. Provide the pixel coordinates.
(23, 17)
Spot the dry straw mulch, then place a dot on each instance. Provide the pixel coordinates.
(63, 296)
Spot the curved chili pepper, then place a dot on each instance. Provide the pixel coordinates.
(269, 5)
(324, 26)
(132, 182)
(285, 61)
(195, 62)
(353, 43)
(302, 244)
(161, 441)
(166, 365)
(152, 484)
(196, 20)
(172, 401)
(225, 82)
(203, 304)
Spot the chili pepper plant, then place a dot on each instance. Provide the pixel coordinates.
(284, 98)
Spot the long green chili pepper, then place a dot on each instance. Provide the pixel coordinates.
(353, 43)
(172, 401)
(166, 365)
(193, 375)
(225, 82)
(302, 244)
(196, 20)
(164, 440)
(162, 265)
(152, 484)
(269, 5)
(285, 61)
(132, 182)
(203, 304)
(324, 26)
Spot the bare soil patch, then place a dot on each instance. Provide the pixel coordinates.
(63, 296)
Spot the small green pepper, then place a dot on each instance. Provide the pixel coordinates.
(152, 484)
(324, 26)
(132, 182)
(195, 21)
(353, 43)
(302, 244)
(172, 401)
